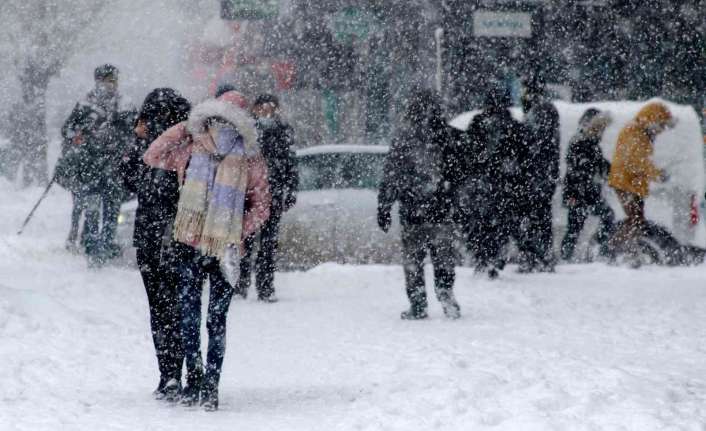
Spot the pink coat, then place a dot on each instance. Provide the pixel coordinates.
(172, 151)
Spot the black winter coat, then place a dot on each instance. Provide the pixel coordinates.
(586, 170)
(92, 167)
(157, 193)
(543, 140)
(422, 173)
(276, 142)
(498, 159)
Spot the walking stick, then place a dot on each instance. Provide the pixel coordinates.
(31, 213)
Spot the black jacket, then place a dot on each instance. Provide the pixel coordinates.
(276, 140)
(157, 193)
(498, 158)
(92, 167)
(543, 139)
(157, 190)
(421, 173)
(586, 170)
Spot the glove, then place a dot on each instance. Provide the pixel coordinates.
(290, 201)
(384, 219)
(230, 265)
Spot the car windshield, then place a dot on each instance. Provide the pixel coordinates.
(340, 171)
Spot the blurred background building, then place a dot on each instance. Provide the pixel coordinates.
(344, 67)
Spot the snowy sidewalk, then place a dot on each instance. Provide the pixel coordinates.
(589, 348)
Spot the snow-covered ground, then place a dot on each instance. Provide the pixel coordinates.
(589, 348)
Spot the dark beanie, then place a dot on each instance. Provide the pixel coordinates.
(266, 98)
(105, 71)
(163, 108)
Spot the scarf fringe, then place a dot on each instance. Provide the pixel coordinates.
(211, 246)
(188, 226)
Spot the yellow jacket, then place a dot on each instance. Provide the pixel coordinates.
(632, 169)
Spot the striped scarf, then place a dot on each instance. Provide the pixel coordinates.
(212, 199)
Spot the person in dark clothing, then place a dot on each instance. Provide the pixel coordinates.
(157, 193)
(418, 175)
(497, 161)
(276, 138)
(94, 137)
(542, 125)
(586, 172)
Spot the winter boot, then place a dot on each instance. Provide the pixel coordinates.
(415, 312)
(158, 393)
(269, 299)
(493, 274)
(450, 306)
(172, 391)
(190, 394)
(209, 397)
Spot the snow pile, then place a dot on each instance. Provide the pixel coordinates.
(678, 151)
(591, 347)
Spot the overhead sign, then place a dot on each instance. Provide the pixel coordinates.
(502, 24)
(249, 9)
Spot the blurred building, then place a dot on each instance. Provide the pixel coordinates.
(343, 68)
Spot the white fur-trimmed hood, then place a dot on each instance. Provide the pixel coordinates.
(236, 116)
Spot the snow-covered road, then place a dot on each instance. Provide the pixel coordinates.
(589, 348)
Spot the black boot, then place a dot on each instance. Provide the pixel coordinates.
(190, 394)
(209, 398)
(158, 393)
(415, 312)
(172, 391)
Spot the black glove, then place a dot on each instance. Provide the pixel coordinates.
(290, 201)
(384, 219)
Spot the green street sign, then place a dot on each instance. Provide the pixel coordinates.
(249, 9)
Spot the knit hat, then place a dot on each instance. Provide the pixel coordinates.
(105, 71)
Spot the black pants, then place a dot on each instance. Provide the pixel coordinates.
(577, 218)
(437, 240)
(111, 211)
(537, 245)
(159, 275)
(265, 263)
(79, 206)
(92, 225)
(193, 271)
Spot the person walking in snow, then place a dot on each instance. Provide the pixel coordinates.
(542, 125)
(498, 152)
(276, 138)
(586, 172)
(632, 171)
(93, 144)
(223, 199)
(157, 193)
(416, 176)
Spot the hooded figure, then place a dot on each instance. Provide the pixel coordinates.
(496, 151)
(276, 138)
(224, 197)
(632, 170)
(157, 193)
(417, 175)
(94, 140)
(542, 125)
(586, 172)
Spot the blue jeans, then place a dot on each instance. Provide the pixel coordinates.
(194, 269)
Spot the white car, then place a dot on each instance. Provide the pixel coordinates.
(335, 218)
